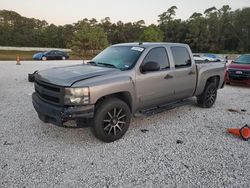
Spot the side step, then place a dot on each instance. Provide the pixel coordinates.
(163, 108)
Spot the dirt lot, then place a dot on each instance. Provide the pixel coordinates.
(184, 147)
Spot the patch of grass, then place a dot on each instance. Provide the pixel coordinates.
(12, 55)
(27, 55)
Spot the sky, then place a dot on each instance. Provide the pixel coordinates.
(60, 12)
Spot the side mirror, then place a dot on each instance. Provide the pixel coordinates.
(150, 66)
(189, 62)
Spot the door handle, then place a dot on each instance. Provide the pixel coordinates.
(191, 72)
(168, 76)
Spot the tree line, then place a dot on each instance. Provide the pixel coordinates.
(215, 30)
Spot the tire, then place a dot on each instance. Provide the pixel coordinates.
(209, 95)
(63, 58)
(112, 119)
(44, 58)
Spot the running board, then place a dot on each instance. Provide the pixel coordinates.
(163, 108)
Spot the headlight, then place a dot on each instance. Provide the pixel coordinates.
(76, 96)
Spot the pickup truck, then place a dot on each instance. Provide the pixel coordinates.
(125, 80)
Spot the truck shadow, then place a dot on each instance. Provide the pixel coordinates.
(80, 132)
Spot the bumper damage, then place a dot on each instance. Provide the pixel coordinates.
(58, 115)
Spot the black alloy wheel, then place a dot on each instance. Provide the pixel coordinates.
(208, 96)
(112, 119)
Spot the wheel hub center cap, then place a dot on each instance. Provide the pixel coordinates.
(114, 121)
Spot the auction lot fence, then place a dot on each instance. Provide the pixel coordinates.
(31, 48)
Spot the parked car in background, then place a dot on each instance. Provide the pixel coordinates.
(239, 70)
(51, 55)
(213, 57)
(198, 58)
(201, 57)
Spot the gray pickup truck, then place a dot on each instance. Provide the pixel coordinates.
(125, 80)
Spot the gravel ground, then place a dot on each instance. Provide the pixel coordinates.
(184, 147)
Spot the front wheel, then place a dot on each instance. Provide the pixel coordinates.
(112, 119)
(44, 58)
(209, 95)
(63, 58)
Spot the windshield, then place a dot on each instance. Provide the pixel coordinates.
(121, 57)
(243, 59)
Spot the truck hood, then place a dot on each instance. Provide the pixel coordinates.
(239, 66)
(67, 76)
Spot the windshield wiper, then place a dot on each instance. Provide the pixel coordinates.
(107, 64)
(92, 63)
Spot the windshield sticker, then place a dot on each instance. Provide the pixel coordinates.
(127, 66)
(137, 49)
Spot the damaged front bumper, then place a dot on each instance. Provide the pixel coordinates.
(58, 115)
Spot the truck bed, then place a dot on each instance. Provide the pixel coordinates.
(205, 70)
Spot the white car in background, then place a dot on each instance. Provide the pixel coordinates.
(213, 57)
(198, 57)
(208, 57)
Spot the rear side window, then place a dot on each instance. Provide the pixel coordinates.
(51, 53)
(158, 55)
(181, 56)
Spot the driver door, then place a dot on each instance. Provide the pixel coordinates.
(156, 87)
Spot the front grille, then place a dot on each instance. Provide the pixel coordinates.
(239, 74)
(56, 89)
(49, 92)
(47, 97)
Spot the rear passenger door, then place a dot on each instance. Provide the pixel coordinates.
(185, 72)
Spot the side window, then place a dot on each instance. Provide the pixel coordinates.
(158, 55)
(181, 56)
(51, 53)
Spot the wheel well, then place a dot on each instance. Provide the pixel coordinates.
(124, 96)
(214, 79)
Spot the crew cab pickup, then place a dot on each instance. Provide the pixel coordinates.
(124, 80)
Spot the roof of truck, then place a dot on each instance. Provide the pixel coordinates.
(149, 44)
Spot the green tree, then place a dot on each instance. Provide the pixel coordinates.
(152, 34)
(197, 33)
(174, 30)
(167, 16)
(216, 30)
(240, 28)
(88, 39)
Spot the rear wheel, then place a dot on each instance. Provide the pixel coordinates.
(44, 58)
(209, 95)
(112, 119)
